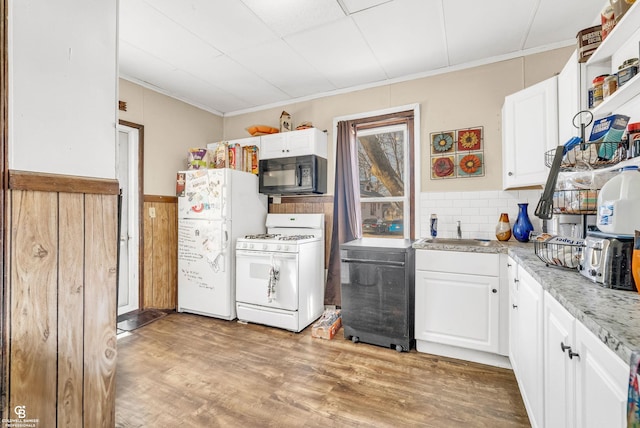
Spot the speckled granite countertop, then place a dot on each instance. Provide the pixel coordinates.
(612, 315)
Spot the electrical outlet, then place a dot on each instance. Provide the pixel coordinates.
(152, 212)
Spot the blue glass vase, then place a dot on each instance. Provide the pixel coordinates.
(522, 227)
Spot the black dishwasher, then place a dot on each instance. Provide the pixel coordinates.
(377, 281)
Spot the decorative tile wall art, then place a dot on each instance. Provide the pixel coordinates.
(458, 153)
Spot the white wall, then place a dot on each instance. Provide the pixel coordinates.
(171, 127)
(63, 86)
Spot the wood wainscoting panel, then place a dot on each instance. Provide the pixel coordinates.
(34, 312)
(306, 205)
(160, 284)
(101, 230)
(71, 309)
(60, 313)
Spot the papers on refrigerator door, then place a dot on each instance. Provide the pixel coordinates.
(200, 248)
(203, 194)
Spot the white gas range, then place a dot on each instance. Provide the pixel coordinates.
(280, 274)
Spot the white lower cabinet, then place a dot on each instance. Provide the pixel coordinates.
(525, 339)
(559, 364)
(585, 382)
(567, 376)
(601, 383)
(458, 304)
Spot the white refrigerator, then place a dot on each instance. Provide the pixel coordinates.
(215, 207)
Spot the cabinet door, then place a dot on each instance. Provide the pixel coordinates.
(273, 146)
(559, 369)
(300, 143)
(458, 309)
(569, 101)
(529, 345)
(601, 383)
(529, 127)
(512, 281)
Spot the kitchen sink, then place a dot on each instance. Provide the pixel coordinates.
(467, 242)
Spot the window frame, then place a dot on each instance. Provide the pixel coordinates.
(411, 113)
(406, 179)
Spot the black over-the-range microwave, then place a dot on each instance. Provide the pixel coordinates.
(296, 175)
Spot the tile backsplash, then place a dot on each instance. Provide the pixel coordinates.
(478, 212)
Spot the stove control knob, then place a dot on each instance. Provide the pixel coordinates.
(286, 248)
(278, 247)
(250, 245)
(265, 246)
(592, 272)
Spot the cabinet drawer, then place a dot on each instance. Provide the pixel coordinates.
(458, 262)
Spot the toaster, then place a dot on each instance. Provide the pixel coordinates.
(606, 260)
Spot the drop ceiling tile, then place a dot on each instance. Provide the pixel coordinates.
(406, 36)
(281, 66)
(227, 25)
(242, 82)
(158, 35)
(339, 51)
(290, 16)
(354, 6)
(193, 90)
(493, 28)
(550, 23)
(135, 63)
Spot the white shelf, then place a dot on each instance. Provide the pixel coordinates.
(618, 36)
(623, 95)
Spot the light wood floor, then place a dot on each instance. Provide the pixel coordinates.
(192, 371)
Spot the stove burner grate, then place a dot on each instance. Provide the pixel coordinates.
(295, 237)
(262, 236)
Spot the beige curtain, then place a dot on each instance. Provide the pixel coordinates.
(347, 220)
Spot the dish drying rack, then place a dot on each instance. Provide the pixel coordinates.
(558, 251)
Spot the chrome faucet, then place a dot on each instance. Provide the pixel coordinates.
(459, 230)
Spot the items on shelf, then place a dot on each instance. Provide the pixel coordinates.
(199, 158)
(225, 155)
(588, 41)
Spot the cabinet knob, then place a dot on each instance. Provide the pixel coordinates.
(508, 264)
(516, 280)
(564, 347)
(573, 354)
(514, 306)
(494, 291)
(510, 173)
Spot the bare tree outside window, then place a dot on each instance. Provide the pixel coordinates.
(382, 166)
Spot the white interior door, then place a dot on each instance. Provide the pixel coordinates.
(128, 280)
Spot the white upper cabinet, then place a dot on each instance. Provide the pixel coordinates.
(569, 98)
(529, 130)
(310, 141)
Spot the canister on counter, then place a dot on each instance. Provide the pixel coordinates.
(609, 86)
(627, 70)
(598, 87)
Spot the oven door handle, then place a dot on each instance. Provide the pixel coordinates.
(372, 262)
(265, 254)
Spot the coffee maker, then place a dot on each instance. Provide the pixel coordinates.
(569, 225)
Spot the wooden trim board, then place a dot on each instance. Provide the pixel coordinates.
(45, 182)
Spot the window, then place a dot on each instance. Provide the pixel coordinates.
(383, 166)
